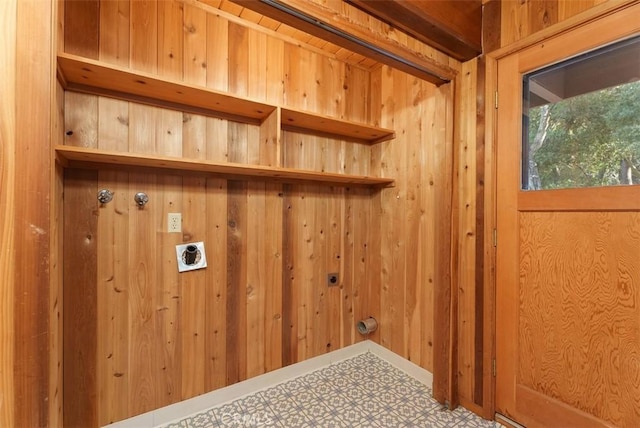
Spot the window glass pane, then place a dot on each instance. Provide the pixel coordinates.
(581, 121)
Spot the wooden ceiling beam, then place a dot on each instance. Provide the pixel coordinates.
(329, 25)
(453, 27)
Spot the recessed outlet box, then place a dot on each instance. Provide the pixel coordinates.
(333, 279)
(174, 222)
(191, 256)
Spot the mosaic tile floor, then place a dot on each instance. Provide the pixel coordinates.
(363, 391)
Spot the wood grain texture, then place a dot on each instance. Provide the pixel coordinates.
(522, 19)
(421, 166)
(113, 295)
(92, 158)
(263, 300)
(579, 330)
(442, 299)
(423, 67)
(81, 299)
(454, 28)
(467, 205)
(575, 259)
(8, 34)
(34, 71)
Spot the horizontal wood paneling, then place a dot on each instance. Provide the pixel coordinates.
(263, 300)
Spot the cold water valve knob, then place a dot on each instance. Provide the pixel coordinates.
(141, 199)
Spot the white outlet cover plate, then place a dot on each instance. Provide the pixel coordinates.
(201, 257)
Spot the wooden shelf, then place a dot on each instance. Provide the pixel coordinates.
(93, 77)
(311, 123)
(79, 157)
(84, 75)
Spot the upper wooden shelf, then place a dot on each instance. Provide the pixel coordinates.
(80, 157)
(305, 122)
(94, 77)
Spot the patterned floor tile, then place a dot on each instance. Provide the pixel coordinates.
(364, 391)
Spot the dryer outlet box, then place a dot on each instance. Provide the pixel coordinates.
(191, 256)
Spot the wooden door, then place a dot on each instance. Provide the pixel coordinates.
(568, 271)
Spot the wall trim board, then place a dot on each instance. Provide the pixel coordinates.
(206, 401)
(444, 300)
(7, 203)
(56, 216)
(32, 246)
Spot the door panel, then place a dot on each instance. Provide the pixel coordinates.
(579, 333)
(567, 274)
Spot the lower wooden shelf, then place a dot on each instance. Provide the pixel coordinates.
(80, 157)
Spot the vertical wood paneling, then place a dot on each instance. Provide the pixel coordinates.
(466, 203)
(217, 296)
(8, 34)
(289, 289)
(217, 52)
(414, 223)
(256, 286)
(192, 321)
(144, 35)
(143, 299)
(82, 37)
(393, 227)
(273, 281)
(82, 27)
(81, 299)
(113, 297)
(216, 280)
(170, 297)
(81, 120)
(236, 282)
(113, 228)
(195, 45)
(263, 300)
(274, 91)
(114, 43)
(192, 325)
(433, 110)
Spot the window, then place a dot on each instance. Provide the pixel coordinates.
(581, 121)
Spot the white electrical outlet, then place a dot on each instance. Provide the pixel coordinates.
(174, 223)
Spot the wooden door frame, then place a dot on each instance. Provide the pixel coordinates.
(490, 264)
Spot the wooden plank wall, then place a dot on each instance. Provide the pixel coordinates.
(146, 336)
(409, 213)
